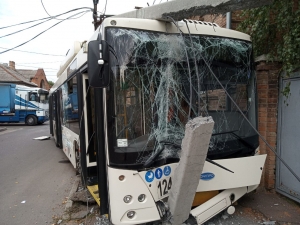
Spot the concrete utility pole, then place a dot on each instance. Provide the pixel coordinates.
(184, 9)
(194, 150)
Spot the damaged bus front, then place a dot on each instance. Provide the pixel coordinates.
(142, 82)
(157, 80)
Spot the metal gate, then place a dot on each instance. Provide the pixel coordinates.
(288, 144)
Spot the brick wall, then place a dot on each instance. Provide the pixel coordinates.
(268, 91)
(235, 19)
(40, 79)
(218, 19)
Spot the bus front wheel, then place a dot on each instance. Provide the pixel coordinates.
(31, 120)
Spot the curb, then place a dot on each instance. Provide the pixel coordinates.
(73, 190)
(69, 202)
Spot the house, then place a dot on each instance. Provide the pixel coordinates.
(34, 76)
(9, 75)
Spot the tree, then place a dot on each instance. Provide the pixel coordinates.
(51, 83)
(275, 31)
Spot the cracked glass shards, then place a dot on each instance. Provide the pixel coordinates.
(159, 81)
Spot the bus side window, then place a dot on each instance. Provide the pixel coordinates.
(70, 105)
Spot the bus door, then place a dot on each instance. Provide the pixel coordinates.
(57, 129)
(51, 117)
(94, 142)
(89, 123)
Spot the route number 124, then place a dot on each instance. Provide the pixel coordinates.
(164, 186)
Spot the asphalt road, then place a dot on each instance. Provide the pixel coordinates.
(35, 176)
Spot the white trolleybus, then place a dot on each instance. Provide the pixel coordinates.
(121, 103)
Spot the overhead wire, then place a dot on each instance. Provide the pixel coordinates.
(40, 62)
(31, 21)
(51, 17)
(25, 28)
(41, 33)
(197, 72)
(263, 139)
(105, 7)
(54, 17)
(33, 52)
(45, 8)
(189, 68)
(36, 67)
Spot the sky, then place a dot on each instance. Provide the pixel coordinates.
(53, 44)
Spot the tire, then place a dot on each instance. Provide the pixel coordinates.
(78, 165)
(31, 120)
(78, 159)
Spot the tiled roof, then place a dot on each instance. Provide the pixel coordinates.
(28, 74)
(8, 75)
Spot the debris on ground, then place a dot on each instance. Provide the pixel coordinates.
(225, 217)
(103, 220)
(42, 138)
(269, 223)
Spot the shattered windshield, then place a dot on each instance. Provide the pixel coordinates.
(159, 81)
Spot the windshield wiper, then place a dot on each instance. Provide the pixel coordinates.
(217, 164)
(152, 158)
(246, 143)
(239, 138)
(225, 132)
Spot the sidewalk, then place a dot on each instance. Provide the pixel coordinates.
(258, 207)
(273, 206)
(261, 207)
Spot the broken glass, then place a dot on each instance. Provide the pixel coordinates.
(159, 81)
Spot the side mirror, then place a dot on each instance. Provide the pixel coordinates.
(98, 64)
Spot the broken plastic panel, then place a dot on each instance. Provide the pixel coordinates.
(159, 81)
(42, 138)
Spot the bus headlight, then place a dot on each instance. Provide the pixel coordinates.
(141, 198)
(131, 214)
(127, 198)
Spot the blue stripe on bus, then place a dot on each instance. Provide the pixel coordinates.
(22, 102)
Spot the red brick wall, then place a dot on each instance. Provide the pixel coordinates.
(39, 78)
(235, 19)
(268, 91)
(218, 19)
(221, 19)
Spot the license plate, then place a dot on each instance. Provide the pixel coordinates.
(164, 187)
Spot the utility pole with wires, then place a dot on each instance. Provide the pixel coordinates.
(95, 14)
(97, 22)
